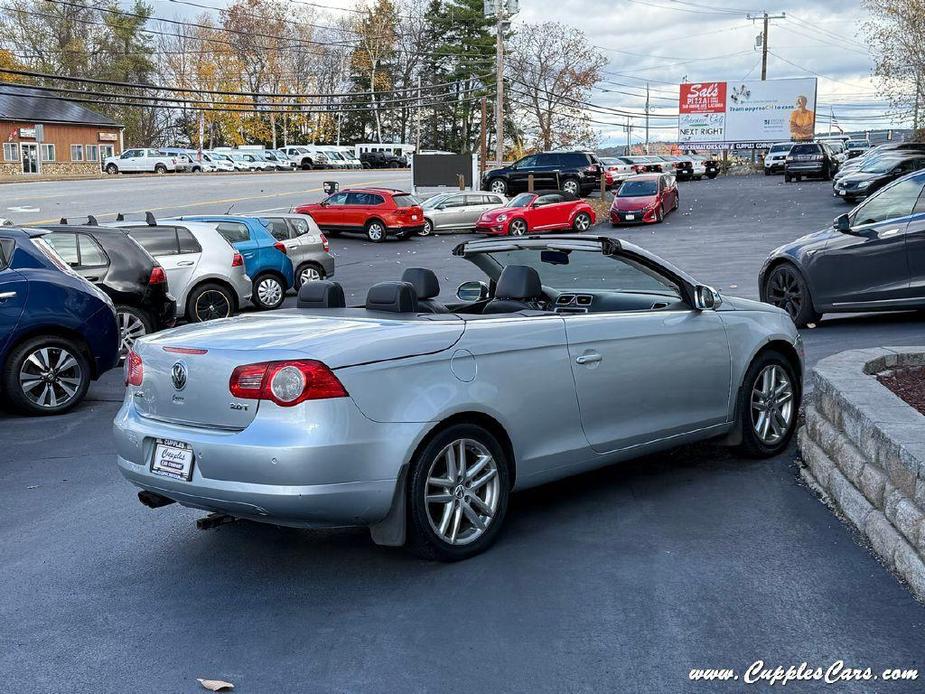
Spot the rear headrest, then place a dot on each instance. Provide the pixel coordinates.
(424, 281)
(395, 297)
(518, 282)
(321, 294)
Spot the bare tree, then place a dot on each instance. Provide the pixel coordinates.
(552, 68)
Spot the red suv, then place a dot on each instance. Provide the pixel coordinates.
(376, 212)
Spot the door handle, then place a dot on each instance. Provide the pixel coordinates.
(92, 278)
(7, 295)
(889, 232)
(591, 358)
(185, 263)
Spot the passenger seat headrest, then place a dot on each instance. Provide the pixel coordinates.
(321, 294)
(518, 282)
(424, 281)
(394, 297)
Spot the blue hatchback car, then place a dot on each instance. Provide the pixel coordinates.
(265, 258)
(57, 331)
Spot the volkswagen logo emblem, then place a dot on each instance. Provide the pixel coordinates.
(178, 375)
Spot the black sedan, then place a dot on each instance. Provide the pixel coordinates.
(871, 259)
(874, 175)
(117, 264)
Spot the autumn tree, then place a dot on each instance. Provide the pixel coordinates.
(896, 34)
(553, 69)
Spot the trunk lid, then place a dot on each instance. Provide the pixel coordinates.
(187, 370)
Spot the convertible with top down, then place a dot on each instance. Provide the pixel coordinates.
(408, 414)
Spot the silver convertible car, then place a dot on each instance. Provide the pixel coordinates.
(418, 418)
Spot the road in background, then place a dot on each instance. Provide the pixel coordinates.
(623, 579)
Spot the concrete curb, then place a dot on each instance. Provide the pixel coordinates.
(864, 450)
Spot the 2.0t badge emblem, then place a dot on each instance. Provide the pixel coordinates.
(178, 375)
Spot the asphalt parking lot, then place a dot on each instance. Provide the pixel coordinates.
(620, 580)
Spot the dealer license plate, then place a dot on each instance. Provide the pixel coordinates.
(630, 217)
(172, 459)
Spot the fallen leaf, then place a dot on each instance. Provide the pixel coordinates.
(215, 685)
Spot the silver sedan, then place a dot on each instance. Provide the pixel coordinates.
(457, 211)
(418, 419)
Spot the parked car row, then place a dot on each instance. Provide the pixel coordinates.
(227, 159)
(686, 167)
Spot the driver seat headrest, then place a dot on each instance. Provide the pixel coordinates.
(518, 282)
(424, 281)
(321, 294)
(394, 297)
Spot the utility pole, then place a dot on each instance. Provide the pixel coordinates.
(501, 11)
(417, 142)
(647, 117)
(766, 18)
(918, 97)
(483, 137)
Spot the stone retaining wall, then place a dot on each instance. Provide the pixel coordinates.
(864, 449)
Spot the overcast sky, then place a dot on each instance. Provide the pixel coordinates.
(666, 41)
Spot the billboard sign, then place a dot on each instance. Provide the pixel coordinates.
(747, 112)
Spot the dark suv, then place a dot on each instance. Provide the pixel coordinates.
(117, 264)
(380, 160)
(810, 159)
(577, 173)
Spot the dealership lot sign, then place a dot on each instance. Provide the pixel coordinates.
(731, 113)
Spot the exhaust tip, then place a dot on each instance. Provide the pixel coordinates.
(152, 500)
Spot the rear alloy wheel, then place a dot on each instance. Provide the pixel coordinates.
(308, 273)
(46, 375)
(209, 302)
(269, 292)
(786, 289)
(375, 232)
(427, 229)
(768, 405)
(458, 496)
(133, 324)
(582, 222)
(518, 227)
(571, 186)
(498, 185)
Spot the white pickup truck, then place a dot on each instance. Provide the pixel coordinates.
(140, 160)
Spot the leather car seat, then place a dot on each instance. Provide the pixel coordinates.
(427, 287)
(321, 294)
(519, 289)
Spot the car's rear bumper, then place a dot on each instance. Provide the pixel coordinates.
(319, 464)
(405, 230)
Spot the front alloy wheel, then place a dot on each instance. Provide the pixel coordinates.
(518, 227)
(772, 405)
(498, 186)
(786, 289)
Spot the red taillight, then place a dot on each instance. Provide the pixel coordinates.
(286, 383)
(158, 276)
(134, 369)
(280, 247)
(324, 244)
(237, 260)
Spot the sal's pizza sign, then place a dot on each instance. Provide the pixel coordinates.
(703, 97)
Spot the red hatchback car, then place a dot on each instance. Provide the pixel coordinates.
(376, 212)
(545, 210)
(644, 199)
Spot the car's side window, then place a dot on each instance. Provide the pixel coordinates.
(158, 242)
(454, 201)
(476, 200)
(337, 199)
(892, 202)
(65, 245)
(549, 199)
(300, 226)
(91, 253)
(527, 162)
(187, 242)
(233, 232)
(6, 253)
(278, 228)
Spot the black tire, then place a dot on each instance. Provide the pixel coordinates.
(750, 406)
(160, 169)
(582, 222)
(785, 288)
(517, 227)
(767, 172)
(787, 178)
(713, 175)
(677, 202)
(423, 538)
(209, 301)
(799, 179)
(849, 199)
(659, 215)
(311, 272)
(67, 386)
(112, 169)
(572, 185)
(375, 231)
(497, 185)
(269, 291)
(133, 324)
(826, 173)
(428, 228)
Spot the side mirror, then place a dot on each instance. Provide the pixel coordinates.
(472, 291)
(324, 203)
(706, 298)
(842, 224)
